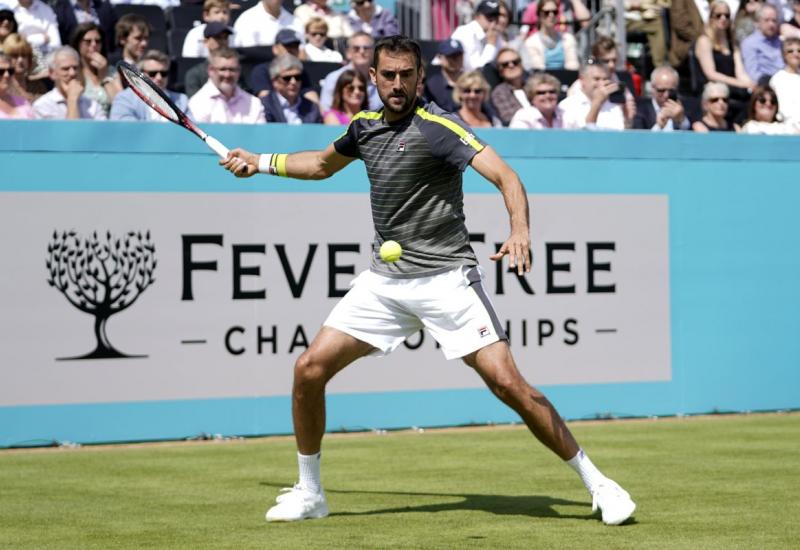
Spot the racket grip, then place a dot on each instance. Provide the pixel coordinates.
(216, 146)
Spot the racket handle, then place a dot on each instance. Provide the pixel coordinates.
(216, 146)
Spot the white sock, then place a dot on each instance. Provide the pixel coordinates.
(309, 471)
(589, 473)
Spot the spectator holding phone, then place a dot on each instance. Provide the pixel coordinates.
(599, 103)
(664, 111)
(715, 109)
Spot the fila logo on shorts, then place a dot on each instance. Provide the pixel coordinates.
(483, 331)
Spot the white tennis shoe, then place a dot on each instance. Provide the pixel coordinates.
(297, 503)
(613, 501)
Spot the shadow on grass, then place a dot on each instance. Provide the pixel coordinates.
(537, 506)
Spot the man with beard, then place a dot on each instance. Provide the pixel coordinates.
(221, 99)
(415, 154)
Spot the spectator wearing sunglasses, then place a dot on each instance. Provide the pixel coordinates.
(338, 25)
(349, 99)
(315, 48)
(471, 94)
(549, 48)
(127, 105)
(543, 112)
(715, 109)
(359, 56)
(285, 104)
(664, 111)
(786, 82)
(98, 77)
(481, 37)
(11, 106)
(367, 16)
(287, 41)
(763, 115)
(508, 97)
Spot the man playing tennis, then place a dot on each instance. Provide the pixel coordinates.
(415, 154)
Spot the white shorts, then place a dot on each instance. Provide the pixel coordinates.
(453, 306)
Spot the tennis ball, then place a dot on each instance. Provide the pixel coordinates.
(391, 251)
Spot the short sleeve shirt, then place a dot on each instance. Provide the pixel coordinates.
(415, 167)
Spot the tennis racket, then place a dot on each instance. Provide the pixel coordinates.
(160, 102)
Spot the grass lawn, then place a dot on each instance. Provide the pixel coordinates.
(708, 482)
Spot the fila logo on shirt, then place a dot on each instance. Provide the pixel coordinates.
(401, 146)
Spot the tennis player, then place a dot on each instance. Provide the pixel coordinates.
(415, 154)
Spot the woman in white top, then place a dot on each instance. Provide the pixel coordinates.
(315, 48)
(548, 48)
(762, 114)
(786, 82)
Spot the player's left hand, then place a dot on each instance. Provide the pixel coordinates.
(518, 249)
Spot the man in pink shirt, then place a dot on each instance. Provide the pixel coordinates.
(221, 99)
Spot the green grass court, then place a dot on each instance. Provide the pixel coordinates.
(707, 482)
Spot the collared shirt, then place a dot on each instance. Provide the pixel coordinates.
(211, 105)
(37, 24)
(53, 105)
(257, 27)
(577, 106)
(670, 125)
(761, 55)
(530, 118)
(291, 112)
(477, 52)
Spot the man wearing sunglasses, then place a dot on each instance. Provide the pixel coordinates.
(480, 37)
(508, 97)
(128, 106)
(359, 57)
(285, 104)
(664, 111)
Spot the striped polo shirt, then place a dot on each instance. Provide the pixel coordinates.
(415, 168)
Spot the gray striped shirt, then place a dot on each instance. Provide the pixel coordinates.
(415, 168)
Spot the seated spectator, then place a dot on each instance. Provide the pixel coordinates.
(480, 37)
(315, 48)
(359, 56)
(285, 104)
(8, 25)
(572, 14)
(471, 94)
(686, 24)
(286, 42)
(29, 86)
(645, 16)
(36, 23)
(128, 106)
(549, 48)
(214, 11)
(99, 83)
(543, 112)
(786, 82)
(744, 23)
(221, 99)
(717, 54)
(11, 106)
(761, 51)
(439, 86)
(762, 115)
(604, 52)
(132, 35)
(216, 35)
(791, 27)
(66, 99)
(367, 16)
(258, 25)
(715, 109)
(349, 99)
(70, 13)
(591, 107)
(338, 26)
(664, 111)
(508, 97)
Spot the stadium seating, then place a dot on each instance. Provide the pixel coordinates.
(185, 16)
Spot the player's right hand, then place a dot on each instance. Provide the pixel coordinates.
(241, 163)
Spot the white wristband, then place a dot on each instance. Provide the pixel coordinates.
(264, 162)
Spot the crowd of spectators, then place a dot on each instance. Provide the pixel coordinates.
(726, 65)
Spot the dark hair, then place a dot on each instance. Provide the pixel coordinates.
(81, 30)
(397, 44)
(8, 15)
(758, 93)
(345, 79)
(602, 46)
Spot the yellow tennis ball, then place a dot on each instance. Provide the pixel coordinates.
(391, 251)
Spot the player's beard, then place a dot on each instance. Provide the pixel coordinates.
(408, 102)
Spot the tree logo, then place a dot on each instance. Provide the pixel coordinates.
(101, 278)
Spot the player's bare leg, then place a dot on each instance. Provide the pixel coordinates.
(495, 365)
(329, 353)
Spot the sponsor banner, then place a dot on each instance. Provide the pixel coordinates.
(113, 297)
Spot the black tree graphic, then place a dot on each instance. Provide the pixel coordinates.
(101, 277)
